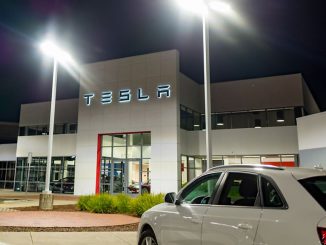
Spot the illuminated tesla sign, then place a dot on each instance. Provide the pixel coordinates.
(125, 95)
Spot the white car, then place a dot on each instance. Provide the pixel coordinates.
(242, 205)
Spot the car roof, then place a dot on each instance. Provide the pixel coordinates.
(297, 172)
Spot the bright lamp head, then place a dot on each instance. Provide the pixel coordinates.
(52, 50)
(220, 6)
(195, 6)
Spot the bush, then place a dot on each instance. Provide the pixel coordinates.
(103, 203)
(146, 201)
(122, 203)
(83, 203)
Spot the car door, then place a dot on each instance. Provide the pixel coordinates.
(181, 223)
(234, 215)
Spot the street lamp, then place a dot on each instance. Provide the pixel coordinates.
(58, 55)
(202, 7)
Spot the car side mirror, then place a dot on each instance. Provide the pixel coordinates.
(170, 197)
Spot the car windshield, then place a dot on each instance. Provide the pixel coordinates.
(316, 186)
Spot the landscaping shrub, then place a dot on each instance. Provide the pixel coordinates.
(146, 201)
(83, 203)
(103, 203)
(122, 203)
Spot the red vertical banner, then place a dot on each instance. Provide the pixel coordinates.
(98, 164)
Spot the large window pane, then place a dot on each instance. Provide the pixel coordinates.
(147, 151)
(134, 139)
(146, 138)
(119, 140)
(106, 140)
(119, 152)
(134, 152)
(107, 152)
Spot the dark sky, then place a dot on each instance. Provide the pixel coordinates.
(271, 37)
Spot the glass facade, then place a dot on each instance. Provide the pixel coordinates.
(32, 178)
(192, 167)
(64, 128)
(191, 120)
(7, 174)
(125, 163)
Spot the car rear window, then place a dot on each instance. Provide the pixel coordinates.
(316, 186)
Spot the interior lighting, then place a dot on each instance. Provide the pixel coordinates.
(280, 116)
(257, 123)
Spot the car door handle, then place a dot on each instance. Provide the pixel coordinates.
(244, 226)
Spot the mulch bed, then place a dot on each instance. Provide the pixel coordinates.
(131, 227)
(65, 208)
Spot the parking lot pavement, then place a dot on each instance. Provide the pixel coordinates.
(71, 238)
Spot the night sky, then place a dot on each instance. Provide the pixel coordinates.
(271, 37)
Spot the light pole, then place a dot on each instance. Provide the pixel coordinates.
(202, 7)
(58, 55)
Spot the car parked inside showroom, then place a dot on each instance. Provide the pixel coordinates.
(242, 204)
(64, 185)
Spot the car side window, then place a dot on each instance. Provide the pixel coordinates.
(201, 190)
(240, 189)
(271, 197)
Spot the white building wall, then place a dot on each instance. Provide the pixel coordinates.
(311, 138)
(159, 116)
(191, 93)
(8, 152)
(63, 145)
(245, 141)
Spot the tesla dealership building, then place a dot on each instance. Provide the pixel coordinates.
(138, 126)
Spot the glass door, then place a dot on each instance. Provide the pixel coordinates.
(133, 177)
(118, 180)
(105, 174)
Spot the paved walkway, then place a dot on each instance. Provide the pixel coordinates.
(70, 238)
(10, 217)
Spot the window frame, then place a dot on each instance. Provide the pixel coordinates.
(279, 192)
(193, 182)
(217, 197)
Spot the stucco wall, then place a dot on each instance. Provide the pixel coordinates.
(311, 137)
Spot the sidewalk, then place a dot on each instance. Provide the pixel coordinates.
(60, 221)
(70, 238)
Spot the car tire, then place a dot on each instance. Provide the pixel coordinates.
(147, 237)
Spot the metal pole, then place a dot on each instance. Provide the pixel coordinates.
(48, 163)
(207, 84)
(29, 162)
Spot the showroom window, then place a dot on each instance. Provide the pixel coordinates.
(191, 167)
(7, 174)
(125, 163)
(32, 178)
(193, 120)
(63, 128)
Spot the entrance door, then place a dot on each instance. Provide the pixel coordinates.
(105, 174)
(118, 180)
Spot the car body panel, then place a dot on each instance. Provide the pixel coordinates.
(294, 223)
(234, 225)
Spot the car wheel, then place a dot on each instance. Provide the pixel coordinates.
(147, 238)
